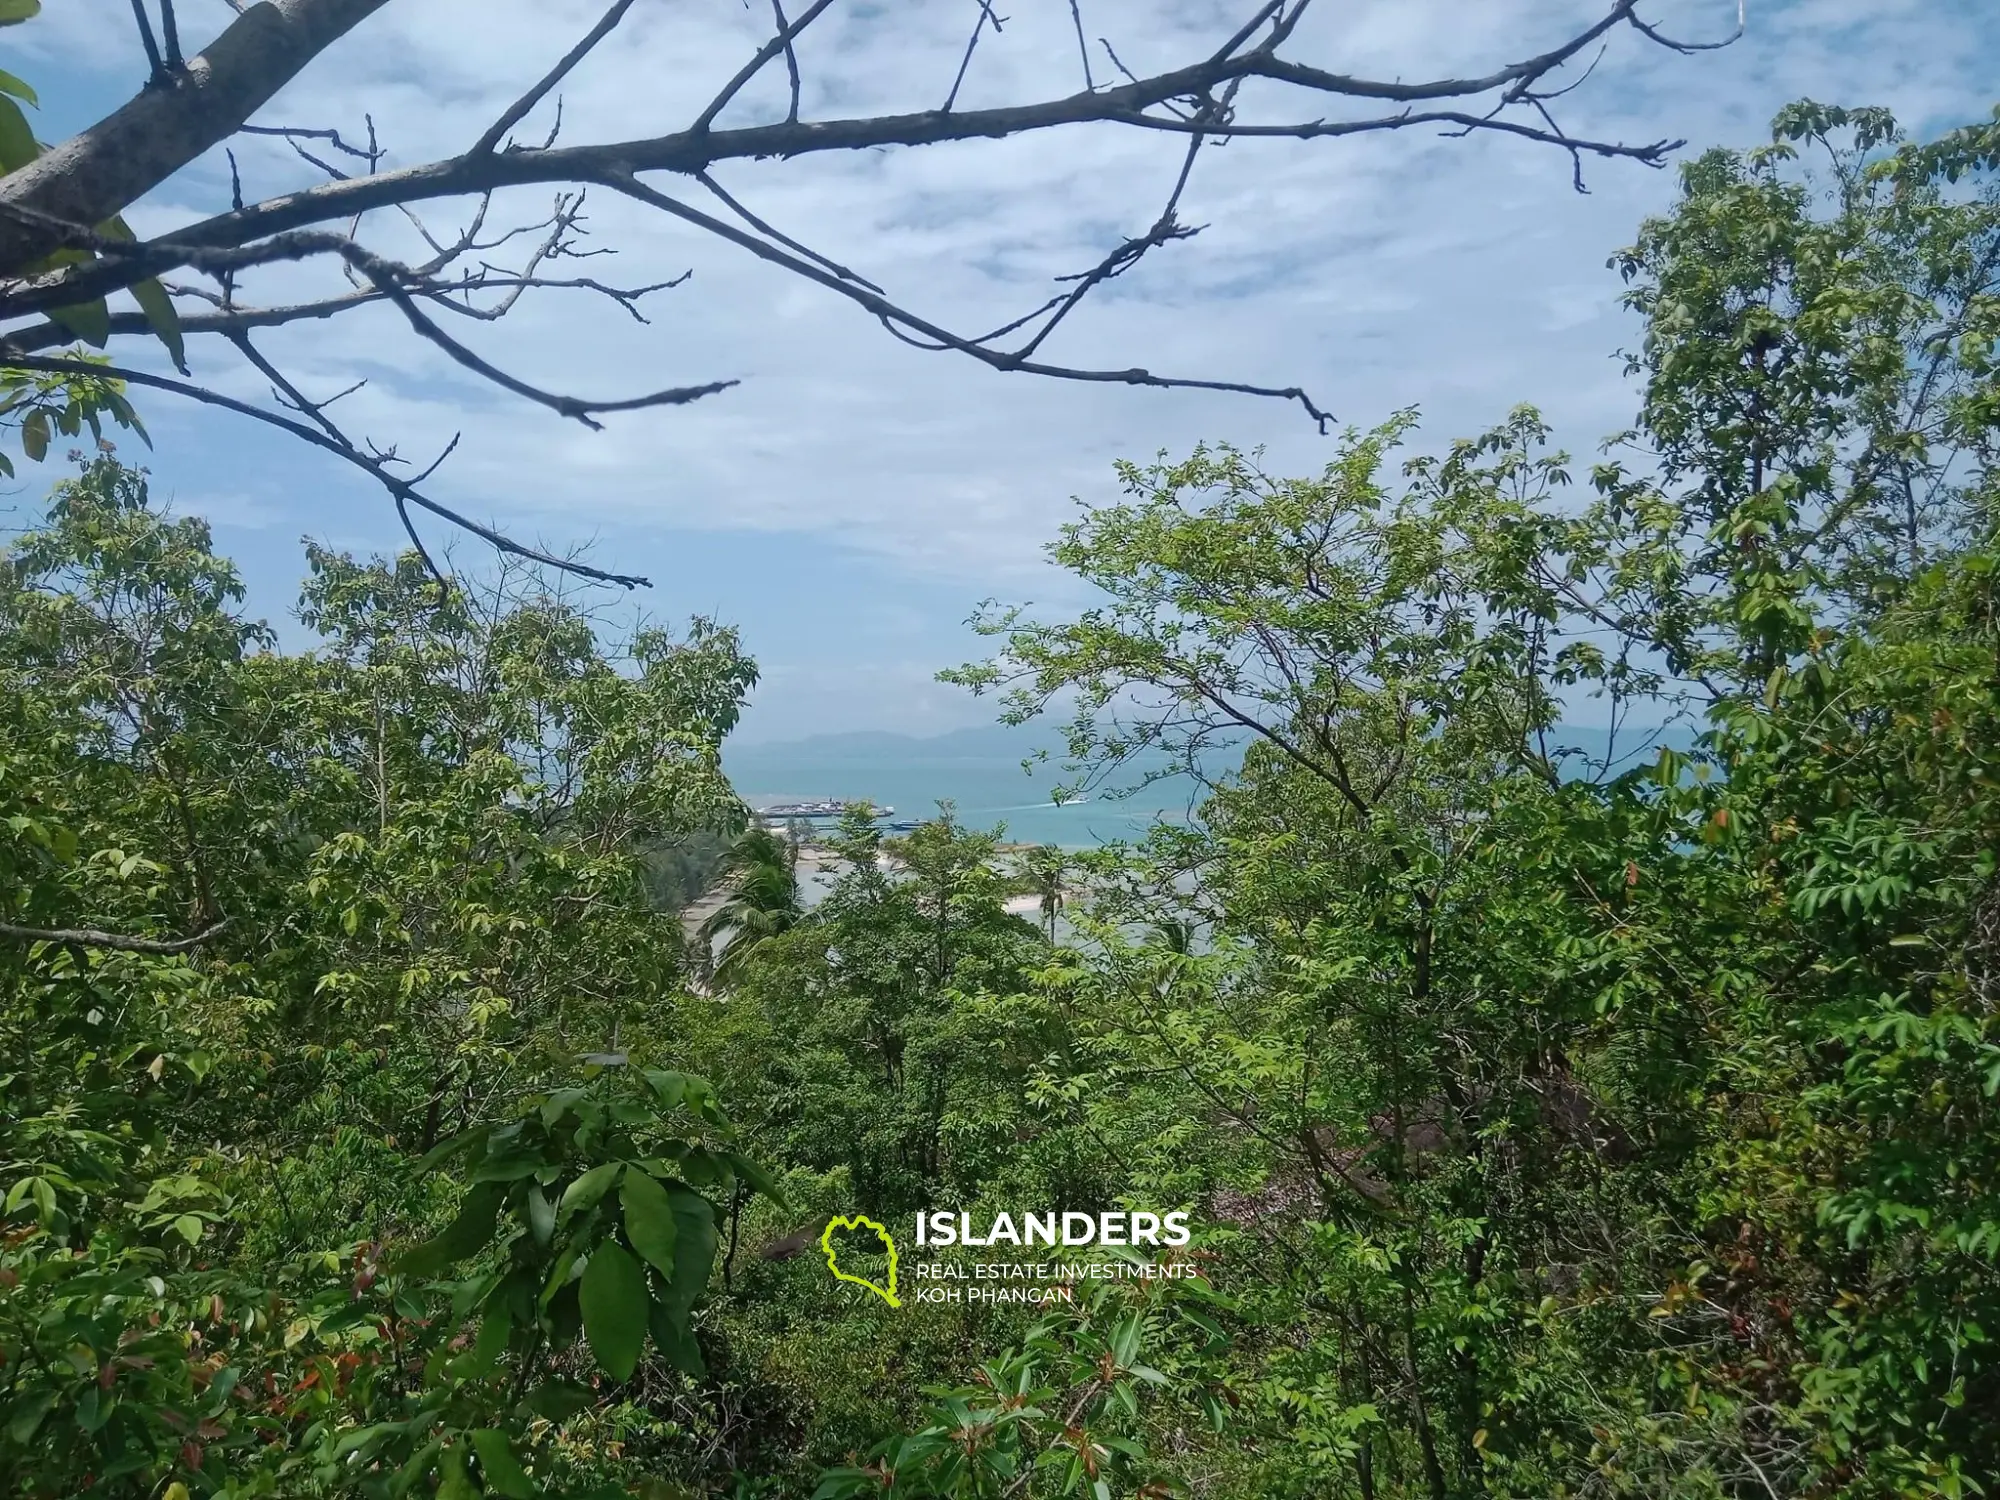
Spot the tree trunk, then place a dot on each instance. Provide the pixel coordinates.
(97, 174)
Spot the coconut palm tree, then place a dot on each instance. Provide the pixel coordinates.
(1041, 874)
(761, 871)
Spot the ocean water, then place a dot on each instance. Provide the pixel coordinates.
(1000, 798)
(979, 771)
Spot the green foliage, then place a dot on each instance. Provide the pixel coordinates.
(1061, 1414)
(1579, 1125)
(1552, 1123)
(885, 1032)
(761, 871)
(369, 895)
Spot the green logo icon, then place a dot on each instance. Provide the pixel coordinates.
(860, 1221)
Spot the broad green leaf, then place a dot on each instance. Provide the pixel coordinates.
(613, 1300)
(668, 1088)
(444, 1151)
(165, 319)
(676, 1342)
(9, 84)
(13, 12)
(760, 1180)
(28, 1413)
(89, 321)
(541, 1216)
(499, 1470)
(649, 1221)
(558, 1399)
(454, 1479)
(695, 1241)
(18, 145)
(588, 1188)
(35, 443)
(494, 1330)
(465, 1237)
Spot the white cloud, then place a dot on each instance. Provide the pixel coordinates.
(1377, 272)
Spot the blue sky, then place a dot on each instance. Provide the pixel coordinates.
(853, 499)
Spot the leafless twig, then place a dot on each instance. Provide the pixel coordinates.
(518, 110)
(50, 205)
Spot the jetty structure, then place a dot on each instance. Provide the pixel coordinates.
(818, 808)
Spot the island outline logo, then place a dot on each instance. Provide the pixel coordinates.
(860, 1221)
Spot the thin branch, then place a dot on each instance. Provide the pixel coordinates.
(782, 238)
(383, 275)
(1247, 30)
(91, 937)
(1652, 154)
(391, 280)
(376, 467)
(791, 60)
(1082, 47)
(896, 319)
(971, 45)
(518, 110)
(1652, 34)
(154, 62)
(371, 153)
(170, 32)
(232, 318)
(782, 42)
(1165, 228)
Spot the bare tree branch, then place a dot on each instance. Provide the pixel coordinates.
(700, 148)
(371, 153)
(376, 468)
(170, 36)
(897, 319)
(156, 66)
(782, 42)
(1082, 46)
(54, 203)
(518, 110)
(972, 43)
(91, 937)
(791, 58)
(102, 171)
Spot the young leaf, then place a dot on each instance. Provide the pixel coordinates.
(613, 1297)
(164, 319)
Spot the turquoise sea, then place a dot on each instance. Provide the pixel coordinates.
(980, 772)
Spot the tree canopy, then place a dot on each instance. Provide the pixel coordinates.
(1557, 1113)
